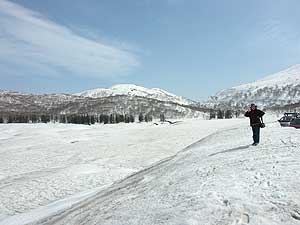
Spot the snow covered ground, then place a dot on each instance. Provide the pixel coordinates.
(44, 163)
(220, 179)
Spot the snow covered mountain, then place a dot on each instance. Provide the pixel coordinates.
(276, 90)
(138, 101)
(132, 90)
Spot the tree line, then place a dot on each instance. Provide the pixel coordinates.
(74, 118)
(223, 114)
(101, 118)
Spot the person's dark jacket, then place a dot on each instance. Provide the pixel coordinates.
(255, 116)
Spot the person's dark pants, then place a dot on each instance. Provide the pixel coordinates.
(256, 132)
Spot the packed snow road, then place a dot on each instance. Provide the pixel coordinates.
(219, 180)
(59, 164)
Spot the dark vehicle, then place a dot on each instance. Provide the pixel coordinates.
(292, 114)
(285, 121)
(295, 123)
(287, 118)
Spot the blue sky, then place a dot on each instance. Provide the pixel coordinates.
(192, 48)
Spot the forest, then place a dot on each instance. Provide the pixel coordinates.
(74, 118)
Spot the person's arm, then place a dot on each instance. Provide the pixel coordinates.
(247, 114)
(261, 113)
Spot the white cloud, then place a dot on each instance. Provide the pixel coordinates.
(278, 32)
(31, 42)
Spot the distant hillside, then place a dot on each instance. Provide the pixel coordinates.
(15, 102)
(275, 91)
(132, 90)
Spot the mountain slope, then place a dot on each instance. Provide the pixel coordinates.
(279, 89)
(118, 102)
(135, 91)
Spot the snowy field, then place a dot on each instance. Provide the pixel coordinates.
(44, 163)
(72, 174)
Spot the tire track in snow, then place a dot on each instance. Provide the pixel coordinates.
(230, 150)
(11, 180)
(260, 187)
(133, 176)
(129, 181)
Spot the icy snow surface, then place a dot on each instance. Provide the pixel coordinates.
(42, 163)
(219, 179)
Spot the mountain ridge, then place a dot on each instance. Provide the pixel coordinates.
(135, 90)
(55, 104)
(275, 90)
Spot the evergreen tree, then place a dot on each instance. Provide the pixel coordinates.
(80, 119)
(33, 118)
(88, 119)
(121, 118)
(220, 114)
(212, 114)
(228, 114)
(101, 118)
(111, 119)
(141, 117)
(44, 118)
(92, 119)
(131, 119)
(162, 117)
(68, 118)
(148, 118)
(62, 118)
(117, 118)
(105, 119)
(10, 119)
(57, 118)
(127, 119)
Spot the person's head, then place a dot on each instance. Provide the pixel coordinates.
(253, 106)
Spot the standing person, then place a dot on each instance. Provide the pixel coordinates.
(256, 122)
